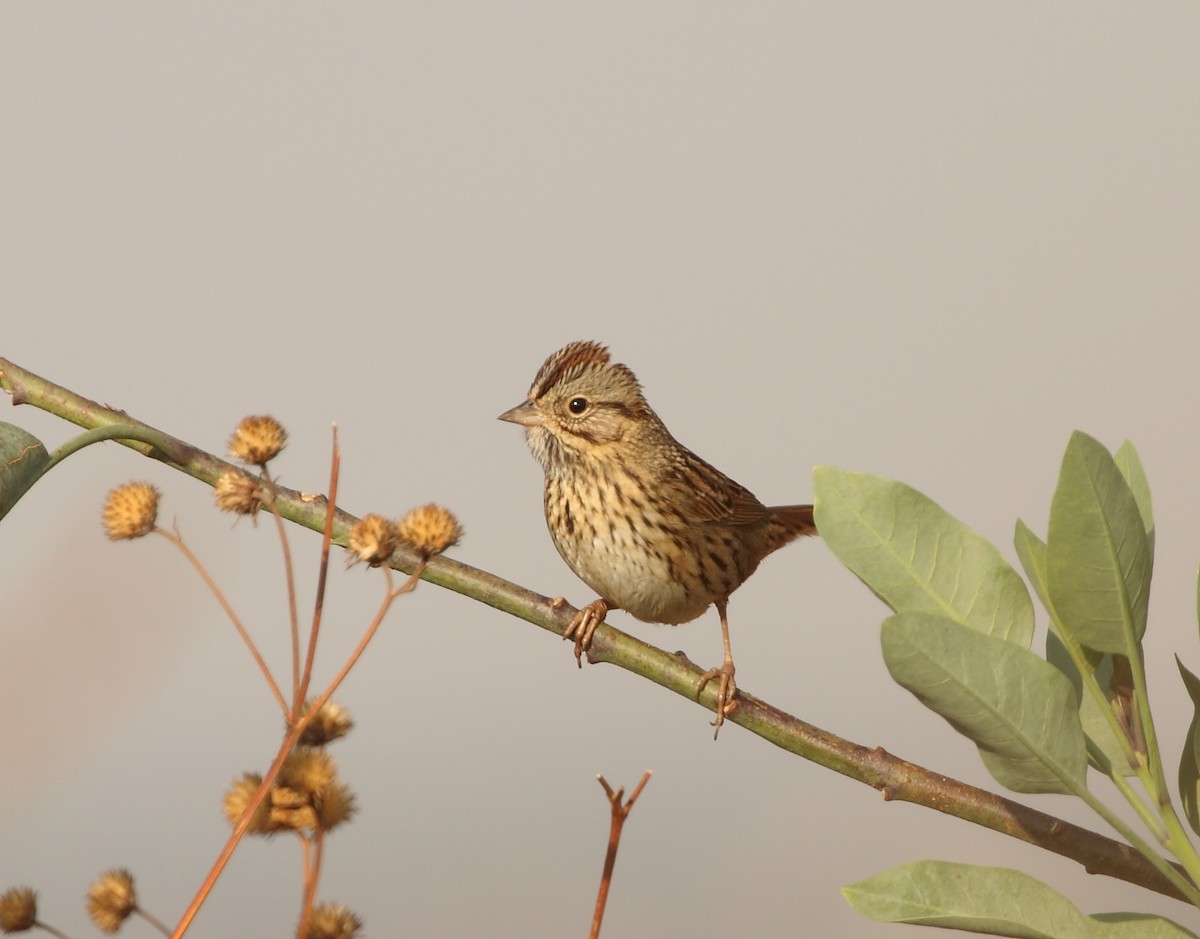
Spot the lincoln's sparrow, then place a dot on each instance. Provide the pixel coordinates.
(644, 522)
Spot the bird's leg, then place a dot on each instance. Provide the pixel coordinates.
(726, 687)
(584, 624)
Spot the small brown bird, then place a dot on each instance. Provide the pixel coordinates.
(641, 519)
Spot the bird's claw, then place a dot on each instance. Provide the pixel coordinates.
(726, 693)
(583, 625)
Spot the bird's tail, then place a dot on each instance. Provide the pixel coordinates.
(789, 522)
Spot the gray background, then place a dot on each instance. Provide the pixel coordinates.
(925, 240)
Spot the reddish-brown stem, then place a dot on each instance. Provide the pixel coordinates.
(290, 573)
(620, 811)
(314, 849)
(407, 587)
(309, 870)
(323, 573)
(50, 929)
(297, 725)
(243, 823)
(178, 541)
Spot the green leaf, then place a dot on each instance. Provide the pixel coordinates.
(994, 901)
(1031, 552)
(1135, 926)
(1130, 465)
(1097, 558)
(1189, 760)
(23, 459)
(1107, 753)
(1019, 710)
(916, 557)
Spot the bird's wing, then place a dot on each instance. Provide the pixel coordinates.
(705, 494)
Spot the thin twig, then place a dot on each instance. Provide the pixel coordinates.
(335, 464)
(308, 867)
(407, 587)
(620, 812)
(289, 573)
(239, 829)
(315, 850)
(290, 738)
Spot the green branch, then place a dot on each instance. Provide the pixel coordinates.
(896, 779)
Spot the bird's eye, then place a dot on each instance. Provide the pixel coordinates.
(577, 405)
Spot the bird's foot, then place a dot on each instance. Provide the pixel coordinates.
(726, 692)
(583, 625)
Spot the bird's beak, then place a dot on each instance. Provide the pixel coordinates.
(526, 414)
